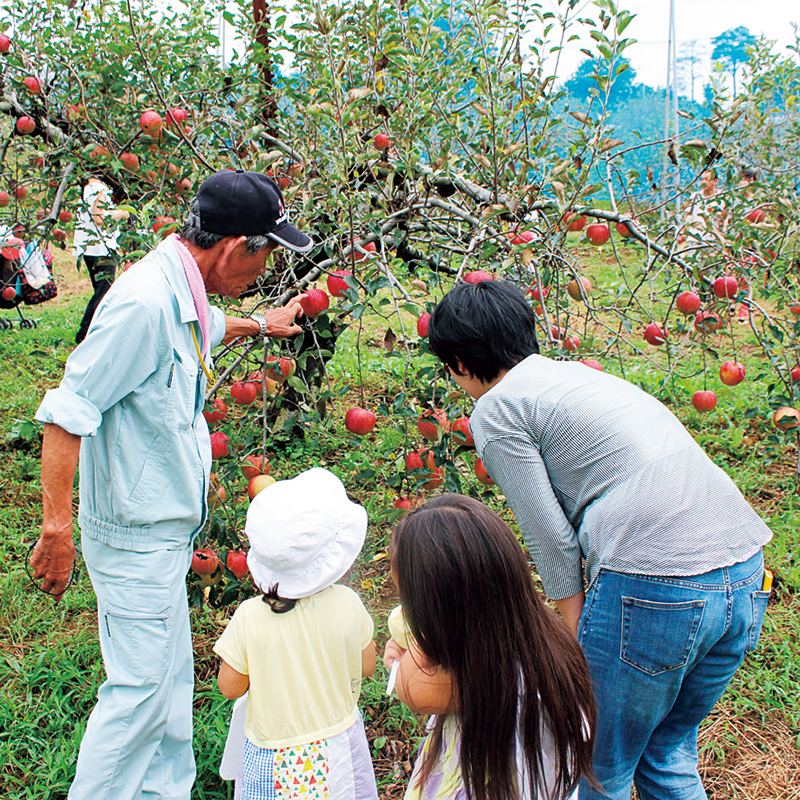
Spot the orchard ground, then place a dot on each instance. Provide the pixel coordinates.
(50, 667)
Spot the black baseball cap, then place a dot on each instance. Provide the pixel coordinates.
(239, 203)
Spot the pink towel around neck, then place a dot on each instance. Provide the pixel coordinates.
(197, 287)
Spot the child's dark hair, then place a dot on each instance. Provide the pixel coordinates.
(487, 326)
(280, 605)
(470, 603)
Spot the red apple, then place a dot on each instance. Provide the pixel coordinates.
(537, 295)
(253, 465)
(219, 412)
(40, 213)
(520, 237)
(795, 374)
(574, 222)
(33, 84)
(204, 561)
(21, 192)
(130, 161)
(707, 322)
(598, 233)
(162, 225)
(406, 503)
(59, 235)
(315, 302)
(655, 333)
(726, 287)
(9, 293)
(732, 373)
(579, 288)
(431, 424)
(26, 125)
(360, 421)
(623, 230)
(794, 310)
(244, 393)
(5, 199)
(65, 216)
(382, 141)
(478, 276)
(258, 484)
(368, 247)
(462, 436)
(216, 493)
(176, 116)
(74, 113)
(282, 369)
(704, 401)
(786, 418)
(591, 362)
(756, 215)
(688, 303)
(150, 122)
(337, 282)
(100, 152)
(236, 562)
(572, 343)
(219, 445)
(5, 44)
(422, 325)
(481, 474)
(183, 186)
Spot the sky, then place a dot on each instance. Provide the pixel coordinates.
(698, 20)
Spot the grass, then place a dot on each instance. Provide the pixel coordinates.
(50, 665)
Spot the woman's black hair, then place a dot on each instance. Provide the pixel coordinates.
(280, 605)
(470, 603)
(487, 327)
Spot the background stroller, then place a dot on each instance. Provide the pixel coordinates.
(25, 276)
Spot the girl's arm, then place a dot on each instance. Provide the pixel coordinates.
(231, 683)
(368, 660)
(424, 687)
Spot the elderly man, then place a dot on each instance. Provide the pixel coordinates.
(130, 405)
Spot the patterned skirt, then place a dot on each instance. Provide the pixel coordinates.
(337, 768)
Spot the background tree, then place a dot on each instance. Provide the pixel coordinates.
(730, 47)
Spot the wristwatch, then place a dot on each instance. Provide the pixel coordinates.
(262, 326)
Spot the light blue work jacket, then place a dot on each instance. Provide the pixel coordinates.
(134, 390)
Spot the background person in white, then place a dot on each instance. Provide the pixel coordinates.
(96, 244)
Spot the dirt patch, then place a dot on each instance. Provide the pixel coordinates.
(743, 757)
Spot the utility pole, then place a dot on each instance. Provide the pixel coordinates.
(670, 176)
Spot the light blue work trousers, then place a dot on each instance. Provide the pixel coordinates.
(138, 741)
(661, 651)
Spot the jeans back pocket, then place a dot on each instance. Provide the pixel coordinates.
(759, 601)
(658, 637)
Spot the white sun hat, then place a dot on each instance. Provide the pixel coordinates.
(304, 534)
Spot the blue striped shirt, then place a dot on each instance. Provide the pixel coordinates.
(597, 470)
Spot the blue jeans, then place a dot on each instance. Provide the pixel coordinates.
(661, 651)
(138, 742)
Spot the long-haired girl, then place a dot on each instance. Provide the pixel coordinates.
(507, 681)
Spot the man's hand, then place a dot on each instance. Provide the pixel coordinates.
(54, 554)
(52, 561)
(281, 321)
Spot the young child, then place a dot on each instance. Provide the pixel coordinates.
(301, 648)
(506, 679)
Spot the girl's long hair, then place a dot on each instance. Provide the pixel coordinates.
(470, 603)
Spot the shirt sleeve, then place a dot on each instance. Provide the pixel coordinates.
(231, 646)
(367, 626)
(518, 469)
(121, 351)
(216, 325)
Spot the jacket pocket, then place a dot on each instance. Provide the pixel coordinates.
(181, 391)
(659, 637)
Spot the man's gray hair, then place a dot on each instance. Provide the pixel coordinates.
(205, 240)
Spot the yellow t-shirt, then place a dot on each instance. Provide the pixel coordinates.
(304, 665)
